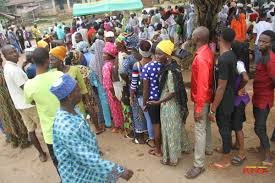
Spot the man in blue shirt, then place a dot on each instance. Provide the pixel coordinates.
(75, 146)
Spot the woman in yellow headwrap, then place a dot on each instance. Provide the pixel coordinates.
(57, 56)
(173, 106)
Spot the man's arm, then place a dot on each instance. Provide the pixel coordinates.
(219, 94)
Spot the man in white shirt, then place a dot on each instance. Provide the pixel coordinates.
(15, 79)
(258, 29)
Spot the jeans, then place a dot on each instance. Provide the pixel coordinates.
(260, 116)
(148, 119)
(203, 138)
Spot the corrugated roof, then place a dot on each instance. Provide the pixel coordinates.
(18, 2)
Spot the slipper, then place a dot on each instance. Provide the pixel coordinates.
(136, 141)
(267, 163)
(238, 160)
(194, 172)
(152, 152)
(219, 165)
(43, 158)
(148, 143)
(114, 130)
(254, 150)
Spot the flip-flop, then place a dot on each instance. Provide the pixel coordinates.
(238, 160)
(219, 165)
(136, 141)
(267, 163)
(152, 152)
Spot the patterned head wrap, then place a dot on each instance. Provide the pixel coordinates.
(110, 49)
(63, 86)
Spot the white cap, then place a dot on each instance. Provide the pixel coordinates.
(249, 5)
(109, 34)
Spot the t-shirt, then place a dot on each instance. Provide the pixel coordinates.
(15, 78)
(226, 70)
(37, 90)
(260, 27)
(150, 72)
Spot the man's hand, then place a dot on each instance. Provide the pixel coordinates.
(198, 116)
(242, 92)
(127, 174)
(212, 117)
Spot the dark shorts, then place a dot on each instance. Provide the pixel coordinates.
(238, 117)
(154, 113)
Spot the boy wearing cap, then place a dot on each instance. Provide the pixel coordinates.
(37, 91)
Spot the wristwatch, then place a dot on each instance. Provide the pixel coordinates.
(211, 112)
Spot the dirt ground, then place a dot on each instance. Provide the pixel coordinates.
(23, 166)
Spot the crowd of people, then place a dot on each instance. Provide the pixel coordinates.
(124, 73)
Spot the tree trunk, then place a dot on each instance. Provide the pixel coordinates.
(207, 11)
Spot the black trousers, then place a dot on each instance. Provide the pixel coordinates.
(260, 116)
(225, 128)
(53, 157)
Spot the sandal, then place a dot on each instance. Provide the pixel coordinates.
(194, 172)
(152, 152)
(148, 143)
(238, 160)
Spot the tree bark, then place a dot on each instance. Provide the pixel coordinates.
(207, 11)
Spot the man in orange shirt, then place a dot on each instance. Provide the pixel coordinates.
(238, 24)
(201, 95)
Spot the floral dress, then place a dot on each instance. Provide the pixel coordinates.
(114, 103)
(174, 137)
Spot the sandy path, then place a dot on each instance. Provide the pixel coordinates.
(23, 166)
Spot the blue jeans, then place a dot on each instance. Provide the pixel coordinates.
(148, 119)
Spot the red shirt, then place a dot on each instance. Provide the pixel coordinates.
(263, 90)
(202, 77)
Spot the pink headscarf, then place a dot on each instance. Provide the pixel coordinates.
(110, 49)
